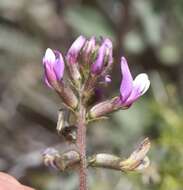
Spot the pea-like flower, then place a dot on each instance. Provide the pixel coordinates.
(53, 67)
(131, 90)
(54, 70)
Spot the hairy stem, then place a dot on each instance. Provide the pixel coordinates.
(81, 143)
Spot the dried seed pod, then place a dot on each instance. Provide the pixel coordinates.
(60, 121)
(68, 131)
(54, 159)
(138, 159)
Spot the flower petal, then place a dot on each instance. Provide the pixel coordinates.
(90, 45)
(97, 66)
(49, 74)
(74, 50)
(142, 81)
(140, 86)
(46, 81)
(59, 65)
(49, 56)
(108, 43)
(127, 80)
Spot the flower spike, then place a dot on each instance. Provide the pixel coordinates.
(88, 65)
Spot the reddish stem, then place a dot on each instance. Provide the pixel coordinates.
(81, 143)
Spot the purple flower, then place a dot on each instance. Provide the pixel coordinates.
(73, 52)
(131, 90)
(53, 67)
(105, 51)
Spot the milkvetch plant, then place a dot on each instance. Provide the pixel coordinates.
(88, 63)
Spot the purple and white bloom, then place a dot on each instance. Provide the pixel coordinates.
(105, 51)
(73, 52)
(53, 67)
(131, 90)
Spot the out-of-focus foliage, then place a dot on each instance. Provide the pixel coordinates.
(148, 32)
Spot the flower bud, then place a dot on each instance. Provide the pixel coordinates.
(109, 54)
(103, 108)
(72, 58)
(54, 71)
(97, 66)
(68, 96)
(104, 57)
(74, 50)
(89, 50)
(90, 45)
(53, 67)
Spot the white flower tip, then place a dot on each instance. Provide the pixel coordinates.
(79, 41)
(143, 82)
(76, 46)
(49, 55)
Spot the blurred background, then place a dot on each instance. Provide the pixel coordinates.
(148, 33)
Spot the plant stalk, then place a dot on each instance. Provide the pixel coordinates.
(81, 143)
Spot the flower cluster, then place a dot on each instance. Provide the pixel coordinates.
(89, 61)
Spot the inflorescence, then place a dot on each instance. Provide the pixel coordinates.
(88, 63)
